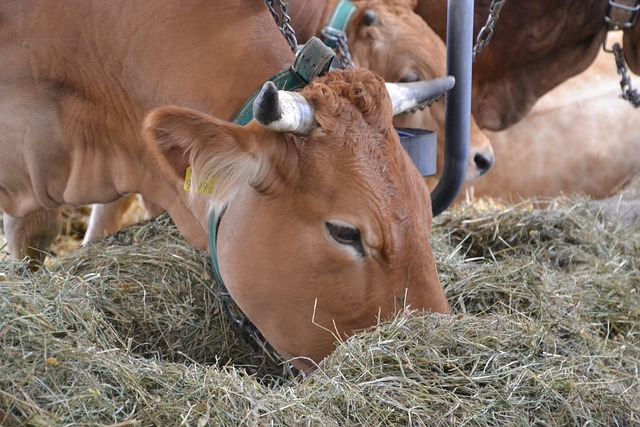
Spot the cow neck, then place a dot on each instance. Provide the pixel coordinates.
(313, 60)
(249, 332)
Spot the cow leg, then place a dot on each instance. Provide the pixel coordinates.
(151, 209)
(106, 218)
(31, 235)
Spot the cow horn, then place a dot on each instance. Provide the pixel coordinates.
(408, 96)
(283, 111)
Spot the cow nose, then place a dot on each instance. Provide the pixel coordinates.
(484, 162)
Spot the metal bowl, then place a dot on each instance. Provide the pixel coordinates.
(421, 146)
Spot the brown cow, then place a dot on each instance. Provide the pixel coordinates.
(384, 36)
(327, 220)
(389, 38)
(536, 45)
(580, 138)
(319, 237)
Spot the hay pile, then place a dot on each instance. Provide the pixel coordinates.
(129, 331)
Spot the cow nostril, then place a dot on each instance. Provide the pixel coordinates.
(483, 162)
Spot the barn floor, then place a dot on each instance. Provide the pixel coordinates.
(130, 331)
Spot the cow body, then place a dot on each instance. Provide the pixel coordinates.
(580, 138)
(536, 45)
(77, 81)
(323, 232)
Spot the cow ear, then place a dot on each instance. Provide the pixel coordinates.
(218, 152)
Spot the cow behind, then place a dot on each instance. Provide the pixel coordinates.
(390, 39)
(387, 37)
(580, 138)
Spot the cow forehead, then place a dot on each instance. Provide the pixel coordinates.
(341, 96)
(355, 151)
(352, 109)
(360, 171)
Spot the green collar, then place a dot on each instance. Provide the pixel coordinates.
(312, 61)
(339, 22)
(214, 224)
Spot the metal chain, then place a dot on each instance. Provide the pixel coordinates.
(623, 15)
(483, 39)
(628, 92)
(486, 32)
(342, 49)
(285, 28)
(342, 52)
(614, 21)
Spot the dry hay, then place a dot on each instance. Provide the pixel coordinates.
(129, 331)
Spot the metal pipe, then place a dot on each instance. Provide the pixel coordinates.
(458, 105)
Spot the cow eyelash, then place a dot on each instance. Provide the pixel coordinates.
(347, 235)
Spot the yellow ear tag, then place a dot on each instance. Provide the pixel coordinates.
(205, 187)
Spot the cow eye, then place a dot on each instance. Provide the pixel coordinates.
(345, 234)
(411, 76)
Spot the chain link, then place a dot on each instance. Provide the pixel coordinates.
(342, 52)
(620, 16)
(343, 55)
(285, 28)
(628, 92)
(486, 32)
(342, 49)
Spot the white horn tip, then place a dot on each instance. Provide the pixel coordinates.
(283, 111)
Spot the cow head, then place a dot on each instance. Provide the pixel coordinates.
(326, 219)
(390, 39)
